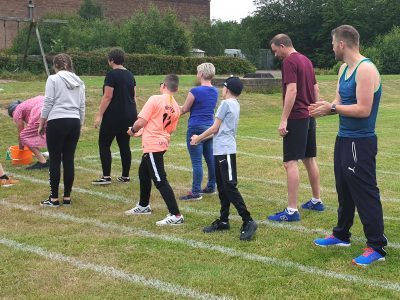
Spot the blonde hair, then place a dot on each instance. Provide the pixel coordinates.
(63, 62)
(207, 69)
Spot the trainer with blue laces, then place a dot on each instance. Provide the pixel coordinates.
(357, 101)
(314, 204)
(288, 215)
(297, 128)
(331, 241)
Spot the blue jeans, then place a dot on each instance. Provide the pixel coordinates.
(205, 149)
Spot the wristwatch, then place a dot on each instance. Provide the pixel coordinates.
(333, 108)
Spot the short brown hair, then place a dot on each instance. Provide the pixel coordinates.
(281, 39)
(117, 55)
(348, 34)
(171, 81)
(63, 61)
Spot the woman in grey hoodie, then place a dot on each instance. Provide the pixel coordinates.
(64, 111)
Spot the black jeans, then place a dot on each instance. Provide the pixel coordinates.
(226, 177)
(105, 140)
(152, 168)
(62, 136)
(355, 174)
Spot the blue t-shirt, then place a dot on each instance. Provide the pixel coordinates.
(202, 110)
(356, 127)
(225, 139)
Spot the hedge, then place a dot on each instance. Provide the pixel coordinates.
(95, 63)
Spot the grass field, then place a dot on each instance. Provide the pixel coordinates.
(92, 251)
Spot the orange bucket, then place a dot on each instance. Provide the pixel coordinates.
(20, 157)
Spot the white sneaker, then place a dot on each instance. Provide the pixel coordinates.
(171, 220)
(139, 210)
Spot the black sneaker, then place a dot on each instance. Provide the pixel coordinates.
(123, 179)
(39, 166)
(67, 202)
(248, 230)
(102, 181)
(217, 225)
(49, 203)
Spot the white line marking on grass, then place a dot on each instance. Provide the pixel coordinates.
(383, 153)
(264, 181)
(81, 190)
(286, 226)
(327, 207)
(279, 158)
(394, 286)
(110, 272)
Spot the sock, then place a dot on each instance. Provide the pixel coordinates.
(4, 177)
(291, 211)
(315, 200)
(178, 215)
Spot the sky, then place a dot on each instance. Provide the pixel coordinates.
(231, 10)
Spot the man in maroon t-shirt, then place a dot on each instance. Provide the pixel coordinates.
(297, 128)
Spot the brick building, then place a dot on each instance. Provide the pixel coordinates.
(113, 9)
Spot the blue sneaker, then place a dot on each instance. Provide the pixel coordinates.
(191, 197)
(368, 257)
(331, 241)
(285, 216)
(319, 206)
(208, 191)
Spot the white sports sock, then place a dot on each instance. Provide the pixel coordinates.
(291, 211)
(315, 200)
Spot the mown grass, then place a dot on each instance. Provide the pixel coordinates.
(154, 254)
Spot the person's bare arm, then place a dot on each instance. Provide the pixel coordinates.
(290, 97)
(105, 102)
(188, 103)
(20, 127)
(139, 124)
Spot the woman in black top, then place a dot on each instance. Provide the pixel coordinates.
(117, 112)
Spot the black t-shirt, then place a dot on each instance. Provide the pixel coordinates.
(121, 112)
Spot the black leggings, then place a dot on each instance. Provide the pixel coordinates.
(62, 137)
(105, 140)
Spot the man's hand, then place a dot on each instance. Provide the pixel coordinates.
(320, 109)
(97, 121)
(282, 128)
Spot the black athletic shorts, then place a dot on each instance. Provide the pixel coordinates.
(300, 141)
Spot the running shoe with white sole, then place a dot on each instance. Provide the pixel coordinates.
(102, 181)
(171, 220)
(139, 210)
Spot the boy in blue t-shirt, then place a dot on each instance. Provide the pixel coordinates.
(224, 147)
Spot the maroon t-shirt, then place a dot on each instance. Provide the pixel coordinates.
(297, 68)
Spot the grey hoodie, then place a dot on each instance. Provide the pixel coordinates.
(64, 97)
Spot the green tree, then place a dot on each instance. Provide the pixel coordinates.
(206, 38)
(309, 22)
(155, 33)
(90, 10)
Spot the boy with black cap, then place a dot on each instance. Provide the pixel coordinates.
(224, 147)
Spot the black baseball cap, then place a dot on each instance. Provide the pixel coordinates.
(234, 84)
